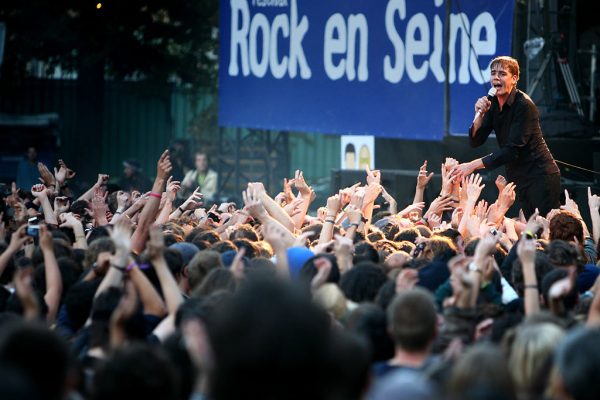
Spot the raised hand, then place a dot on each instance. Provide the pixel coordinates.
(237, 265)
(448, 181)
(63, 173)
(439, 205)
(253, 204)
(474, 187)
(301, 184)
(46, 240)
(61, 204)
(333, 205)
(287, 190)
(194, 201)
(323, 265)
(357, 198)
(481, 209)
(156, 244)
(423, 178)
(19, 238)
(46, 177)
(412, 208)
(526, 250)
(172, 188)
(121, 237)
(276, 235)
(507, 196)
(294, 208)
(434, 221)
(570, 205)
(163, 166)
(343, 245)
(406, 280)
(593, 200)
(69, 220)
(373, 176)
(500, 183)
(39, 191)
(390, 200)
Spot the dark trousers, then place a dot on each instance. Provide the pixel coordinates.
(542, 193)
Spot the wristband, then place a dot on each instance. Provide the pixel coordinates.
(133, 265)
(330, 220)
(158, 196)
(118, 212)
(118, 267)
(532, 287)
(529, 235)
(474, 267)
(180, 209)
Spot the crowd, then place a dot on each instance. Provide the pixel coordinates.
(118, 293)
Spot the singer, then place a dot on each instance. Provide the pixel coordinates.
(513, 116)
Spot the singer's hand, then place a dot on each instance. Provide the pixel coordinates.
(465, 169)
(462, 170)
(482, 105)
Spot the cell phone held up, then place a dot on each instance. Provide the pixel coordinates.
(33, 229)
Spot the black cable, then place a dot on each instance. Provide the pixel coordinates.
(575, 166)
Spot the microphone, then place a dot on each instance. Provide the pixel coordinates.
(490, 96)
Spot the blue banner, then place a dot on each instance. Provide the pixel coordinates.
(355, 66)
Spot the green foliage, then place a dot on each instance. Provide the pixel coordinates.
(154, 40)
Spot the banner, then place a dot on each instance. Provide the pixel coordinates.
(357, 67)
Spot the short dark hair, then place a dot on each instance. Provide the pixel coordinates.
(136, 371)
(578, 362)
(564, 225)
(363, 281)
(410, 234)
(412, 319)
(38, 353)
(269, 337)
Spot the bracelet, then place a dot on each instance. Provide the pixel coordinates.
(330, 220)
(118, 267)
(118, 212)
(157, 195)
(133, 265)
(528, 235)
(532, 287)
(180, 209)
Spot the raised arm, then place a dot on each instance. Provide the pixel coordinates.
(101, 182)
(306, 194)
(54, 284)
(423, 180)
(169, 196)
(594, 204)
(271, 206)
(333, 207)
(40, 192)
(526, 251)
(150, 210)
(171, 292)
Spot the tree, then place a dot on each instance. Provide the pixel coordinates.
(149, 40)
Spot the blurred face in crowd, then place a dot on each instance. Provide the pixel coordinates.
(128, 171)
(201, 162)
(32, 154)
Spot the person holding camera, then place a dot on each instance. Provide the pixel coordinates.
(202, 176)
